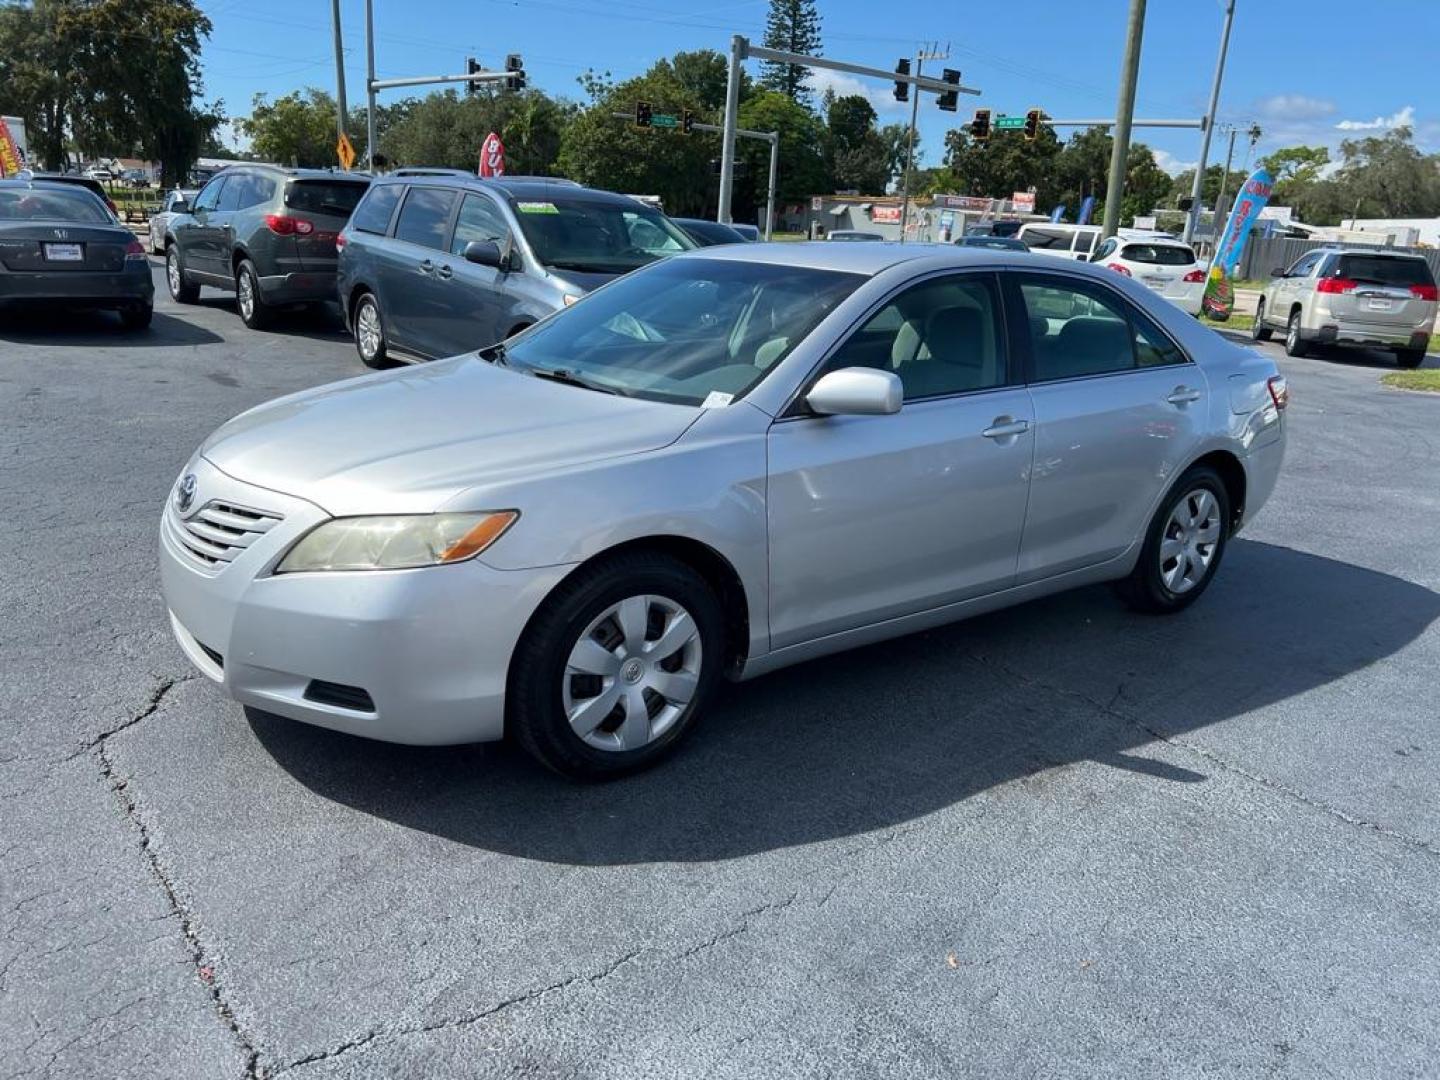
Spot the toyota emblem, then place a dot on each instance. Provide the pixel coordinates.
(185, 493)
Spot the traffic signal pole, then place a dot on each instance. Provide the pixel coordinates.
(339, 72)
(1193, 215)
(370, 85)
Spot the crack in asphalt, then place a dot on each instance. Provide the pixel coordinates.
(1218, 760)
(204, 969)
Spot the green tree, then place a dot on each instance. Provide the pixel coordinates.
(447, 129)
(1183, 184)
(801, 169)
(1296, 164)
(705, 73)
(791, 26)
(1386, 176)
(297, 129)
(858, 157)
(1003, 164)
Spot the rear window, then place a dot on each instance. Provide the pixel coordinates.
(36, 204)
(324, 196)
(374, 212)
(1382, 270)
(1158, 254)
(1048, 239)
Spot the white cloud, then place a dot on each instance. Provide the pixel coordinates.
(1169, 163)
(1404, 118)
(881, 99)
(1292, 108)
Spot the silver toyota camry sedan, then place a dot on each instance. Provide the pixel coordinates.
(730, 461)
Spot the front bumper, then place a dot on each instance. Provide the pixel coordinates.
(79, 288)
(430, 647)
(299, 287)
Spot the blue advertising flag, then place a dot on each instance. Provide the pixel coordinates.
(1086, 208)
(1219, 299)
(1057, 214)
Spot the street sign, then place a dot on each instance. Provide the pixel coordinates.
(664, 120)
(345, 151)
(1009, 123)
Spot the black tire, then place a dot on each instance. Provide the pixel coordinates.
(1260, 332)
(1409, 358)
(1145, 589)
(380, 358)
(535, 713)
(254, 312)
(181, 290)
(136, 317)
(1295, 345)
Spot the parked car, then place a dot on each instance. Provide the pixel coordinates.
(264, 232)
(136, 178)
(60, 245)
(160, 222)
(991, 240)
(995, 228)
(709, 233)
(749, 233)
(1067, 241)
(91, 185)
(1367, 299)
(435, 265)
(1166, 265)
(853, 234)
(99, 173)
(726, 462)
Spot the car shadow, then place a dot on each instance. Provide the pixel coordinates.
(875, 738)
(57, 326)
(318, 322)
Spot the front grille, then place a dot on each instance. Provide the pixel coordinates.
(219, 531)
(339, 695)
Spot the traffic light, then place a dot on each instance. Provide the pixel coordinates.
(980, 126)
(687, 121)
(950, 98)
(902, 89)
(472, 67)
(515, 65)
(642, 114)
(1032, 124)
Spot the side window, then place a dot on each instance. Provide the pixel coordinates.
(233, 191)
(1302, 266)
(209, 196)
(378, 207)
(480, 219)
(1077, 329)
(649, 237)
(425, 217)
(941, 337)
(259, 190)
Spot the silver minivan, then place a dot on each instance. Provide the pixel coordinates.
(435, 263)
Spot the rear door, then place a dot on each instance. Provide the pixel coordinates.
(325, 204)
(1388, 294)
(416, 296)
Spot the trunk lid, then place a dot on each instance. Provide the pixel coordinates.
(1379, 290)
(326, 204)
(61, 247)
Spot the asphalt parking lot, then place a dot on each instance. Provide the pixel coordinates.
(1058, 841)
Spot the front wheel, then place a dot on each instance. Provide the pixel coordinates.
(254, 312)
(1260, 332)
(1410, 358)
(1183, 546)
(616, 667)
(181, 291)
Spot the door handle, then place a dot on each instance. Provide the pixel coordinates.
(427, 267)
(1183, 395)
(1005, 427)
(443, 272)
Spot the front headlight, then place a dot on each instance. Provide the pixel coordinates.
(397, 542)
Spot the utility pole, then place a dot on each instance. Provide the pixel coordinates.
(1193, 215)
(727, 135)
(1124, 113)
(920, 57)
(340, 119)
(1224, 183)
(370, 85)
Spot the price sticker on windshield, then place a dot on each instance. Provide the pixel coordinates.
(538, 208)
(716, 399)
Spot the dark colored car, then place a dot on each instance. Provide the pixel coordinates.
(709, 233)
(995, 228)
(89, 183)
(435, 265)
(986, 240)
(266, 233)
(61, 245)
(749, 233)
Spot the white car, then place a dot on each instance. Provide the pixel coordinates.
(160, 222)
(105, 176)
(1059, 238)
(1166, 265)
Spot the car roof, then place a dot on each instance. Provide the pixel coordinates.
(868, 258)
(519, 188)
(294, 172)
(1381, 252)
(45, 183)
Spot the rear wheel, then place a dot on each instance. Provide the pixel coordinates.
(1260, 332)
(254, 312)
(137, 316)
(1183, 545)
(181, 291)
(616, 667)
(370, 332)
(1410, 358)
(1294, 343)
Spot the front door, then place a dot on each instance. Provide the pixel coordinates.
(480, 298)
(417, 283)
(198, 235)
(875, 517)
(1118, 412)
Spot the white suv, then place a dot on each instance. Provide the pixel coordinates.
(1164, 265)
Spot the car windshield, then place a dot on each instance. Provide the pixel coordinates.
(683, 331)
(1158, 254)
(1383, 270)
(590, 236)
(39, 204)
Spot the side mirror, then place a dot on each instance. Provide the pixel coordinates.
(485, 253)
(856, 391)
(180, 206)
(1279, 271)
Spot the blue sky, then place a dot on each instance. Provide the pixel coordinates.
(1313, 71)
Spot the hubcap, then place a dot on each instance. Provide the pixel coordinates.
(1192, 536)
(631, 673)
(246, 293)
(367, 329)
(172, 272)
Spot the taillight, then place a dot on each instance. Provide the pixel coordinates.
(1194, 276)
(1424, 292)
(1279, 391)
(1337, 285)
(134, 251)
(281, 225)
(113, 208)
(339, 241)
(1117, 268)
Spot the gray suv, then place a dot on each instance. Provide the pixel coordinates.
(1363, 298)
(265, 233)
(434, 264)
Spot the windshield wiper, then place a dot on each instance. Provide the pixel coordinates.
(563, 375)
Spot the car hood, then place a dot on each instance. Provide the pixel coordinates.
(582, 281)
(410, 441)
